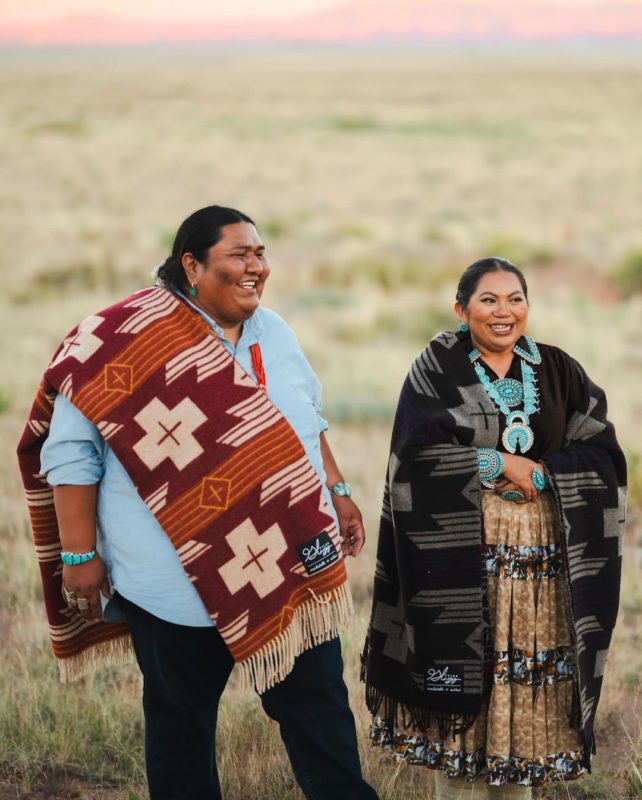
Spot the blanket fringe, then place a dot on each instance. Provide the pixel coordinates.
(317, 620)
(104, 654)
(398, 715)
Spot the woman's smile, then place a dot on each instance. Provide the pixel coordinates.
(502, 328)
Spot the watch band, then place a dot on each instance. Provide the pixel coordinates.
(341, 489)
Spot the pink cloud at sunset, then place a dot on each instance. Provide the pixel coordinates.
(317, 21)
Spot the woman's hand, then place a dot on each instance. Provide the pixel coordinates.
(86, 581)
(350, 525)
(517, 477)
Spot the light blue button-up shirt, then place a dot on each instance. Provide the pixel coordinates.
(141, 562)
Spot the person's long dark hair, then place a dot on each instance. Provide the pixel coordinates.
(200, 231)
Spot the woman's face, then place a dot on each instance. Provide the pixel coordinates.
(230, 283)
(496, 313)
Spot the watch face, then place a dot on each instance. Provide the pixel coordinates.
(341, 489)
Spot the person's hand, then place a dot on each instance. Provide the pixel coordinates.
(82, 586)
(350, 525)
(517, 477)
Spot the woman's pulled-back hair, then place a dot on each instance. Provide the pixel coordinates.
(474, 273)
(200, 231)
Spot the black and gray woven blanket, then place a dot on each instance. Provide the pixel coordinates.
(428, 653)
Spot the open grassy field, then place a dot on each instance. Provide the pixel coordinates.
(375, 177)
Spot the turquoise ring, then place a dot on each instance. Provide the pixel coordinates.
(538, 479)
(512, 494)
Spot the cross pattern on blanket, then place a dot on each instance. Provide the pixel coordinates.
(182, 383)
(169, 433)
(255, 559)
(83, 344)
(476, 411)
(390, 620)
(215, 493)
(119, 378)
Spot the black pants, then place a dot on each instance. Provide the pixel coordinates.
(185, 670)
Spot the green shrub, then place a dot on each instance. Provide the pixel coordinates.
(355, 229)
(506, 246)
(61, 126)
(84, 275)
(273, 228)
(634, 467)
(323, 298)
(628, 273)
(358, 410)
(166, 239)
(354, 124)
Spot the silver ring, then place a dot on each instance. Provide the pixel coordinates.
(83, 604)
(70, 597)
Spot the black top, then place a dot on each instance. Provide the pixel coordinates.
(558, 382)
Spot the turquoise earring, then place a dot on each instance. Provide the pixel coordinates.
(192, 290)
(463, 327)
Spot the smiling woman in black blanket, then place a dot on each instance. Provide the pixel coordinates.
(498, 562)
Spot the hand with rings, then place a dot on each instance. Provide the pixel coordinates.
(70, 597)
(516, 480)
(82, 587)
(73, 601)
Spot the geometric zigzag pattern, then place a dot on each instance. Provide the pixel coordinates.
(431, 519)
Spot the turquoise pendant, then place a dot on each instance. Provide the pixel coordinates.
(518, 437)
(510, 391)
(507, 393)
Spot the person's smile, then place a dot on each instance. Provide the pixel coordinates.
(502, 329)
(249, 285)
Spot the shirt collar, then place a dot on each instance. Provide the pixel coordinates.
(252, 327)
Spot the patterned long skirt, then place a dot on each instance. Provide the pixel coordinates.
(522, 734)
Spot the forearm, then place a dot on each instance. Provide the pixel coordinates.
(332, 471)
(348, 515)
(76, 513)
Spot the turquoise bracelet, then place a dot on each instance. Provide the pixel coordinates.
(71, 559)
(491, 463)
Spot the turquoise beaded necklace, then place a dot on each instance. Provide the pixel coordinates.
(508, 393)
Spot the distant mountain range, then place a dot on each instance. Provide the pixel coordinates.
(375, 21)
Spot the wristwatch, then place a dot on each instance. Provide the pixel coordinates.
(341, 489)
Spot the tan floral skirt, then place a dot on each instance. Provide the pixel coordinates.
(522, 734)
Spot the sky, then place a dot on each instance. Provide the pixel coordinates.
(35, 10)
(168, 10)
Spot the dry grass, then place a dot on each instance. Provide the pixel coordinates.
(375, 178)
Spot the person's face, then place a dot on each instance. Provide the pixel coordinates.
(230, 283)
(497, 312)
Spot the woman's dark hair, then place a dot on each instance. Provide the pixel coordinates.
(200, 231)
(474, 273)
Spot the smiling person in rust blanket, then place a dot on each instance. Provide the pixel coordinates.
(197, 508)
(498, 565)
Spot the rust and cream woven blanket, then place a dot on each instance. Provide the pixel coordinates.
(220, 468)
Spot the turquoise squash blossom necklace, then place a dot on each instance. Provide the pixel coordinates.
(509, 393)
